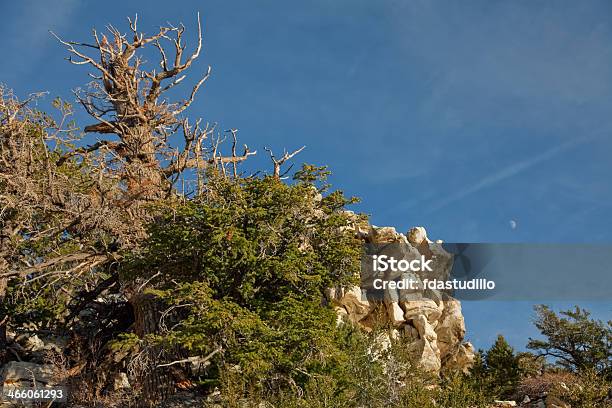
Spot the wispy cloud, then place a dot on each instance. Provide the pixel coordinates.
(514, 62)
(508, 172)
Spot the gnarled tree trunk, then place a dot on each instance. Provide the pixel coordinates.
(157, 384)
(3, 323)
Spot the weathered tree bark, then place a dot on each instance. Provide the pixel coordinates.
(3, 342)
(145, 182)
(157, 384)
(3, 323)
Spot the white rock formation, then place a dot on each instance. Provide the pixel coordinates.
(432, 321)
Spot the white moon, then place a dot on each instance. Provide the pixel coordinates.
(513, 224)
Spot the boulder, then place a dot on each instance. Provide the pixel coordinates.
(395, 313)
(24, 374)
(33, 343)
(505, 404)
(451, 326)
(417, 235)
(121, 382)
(425, 330)
(459, 358)
(426, 354)
(383, 235)
(411, 332)
(425, 307)
(37, 347)
(351, 299)
(442, 262)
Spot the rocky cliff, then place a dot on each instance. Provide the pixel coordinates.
(432, 321)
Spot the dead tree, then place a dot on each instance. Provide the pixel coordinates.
(128, 99)
(277, 163)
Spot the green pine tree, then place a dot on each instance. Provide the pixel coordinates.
(575, 340)
(502, 367)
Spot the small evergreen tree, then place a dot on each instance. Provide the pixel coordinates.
(502, 366)
(576, 341)
(241, 272)
(496, 372)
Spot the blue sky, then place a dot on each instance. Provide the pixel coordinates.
(460, 117)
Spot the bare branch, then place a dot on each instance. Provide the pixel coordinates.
(88, 149)
(234, 164)
(84, 256)
(196, 360)
(279, 162)
(198, 163)
(194, 91)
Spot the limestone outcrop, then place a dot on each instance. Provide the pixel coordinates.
(432, 321)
